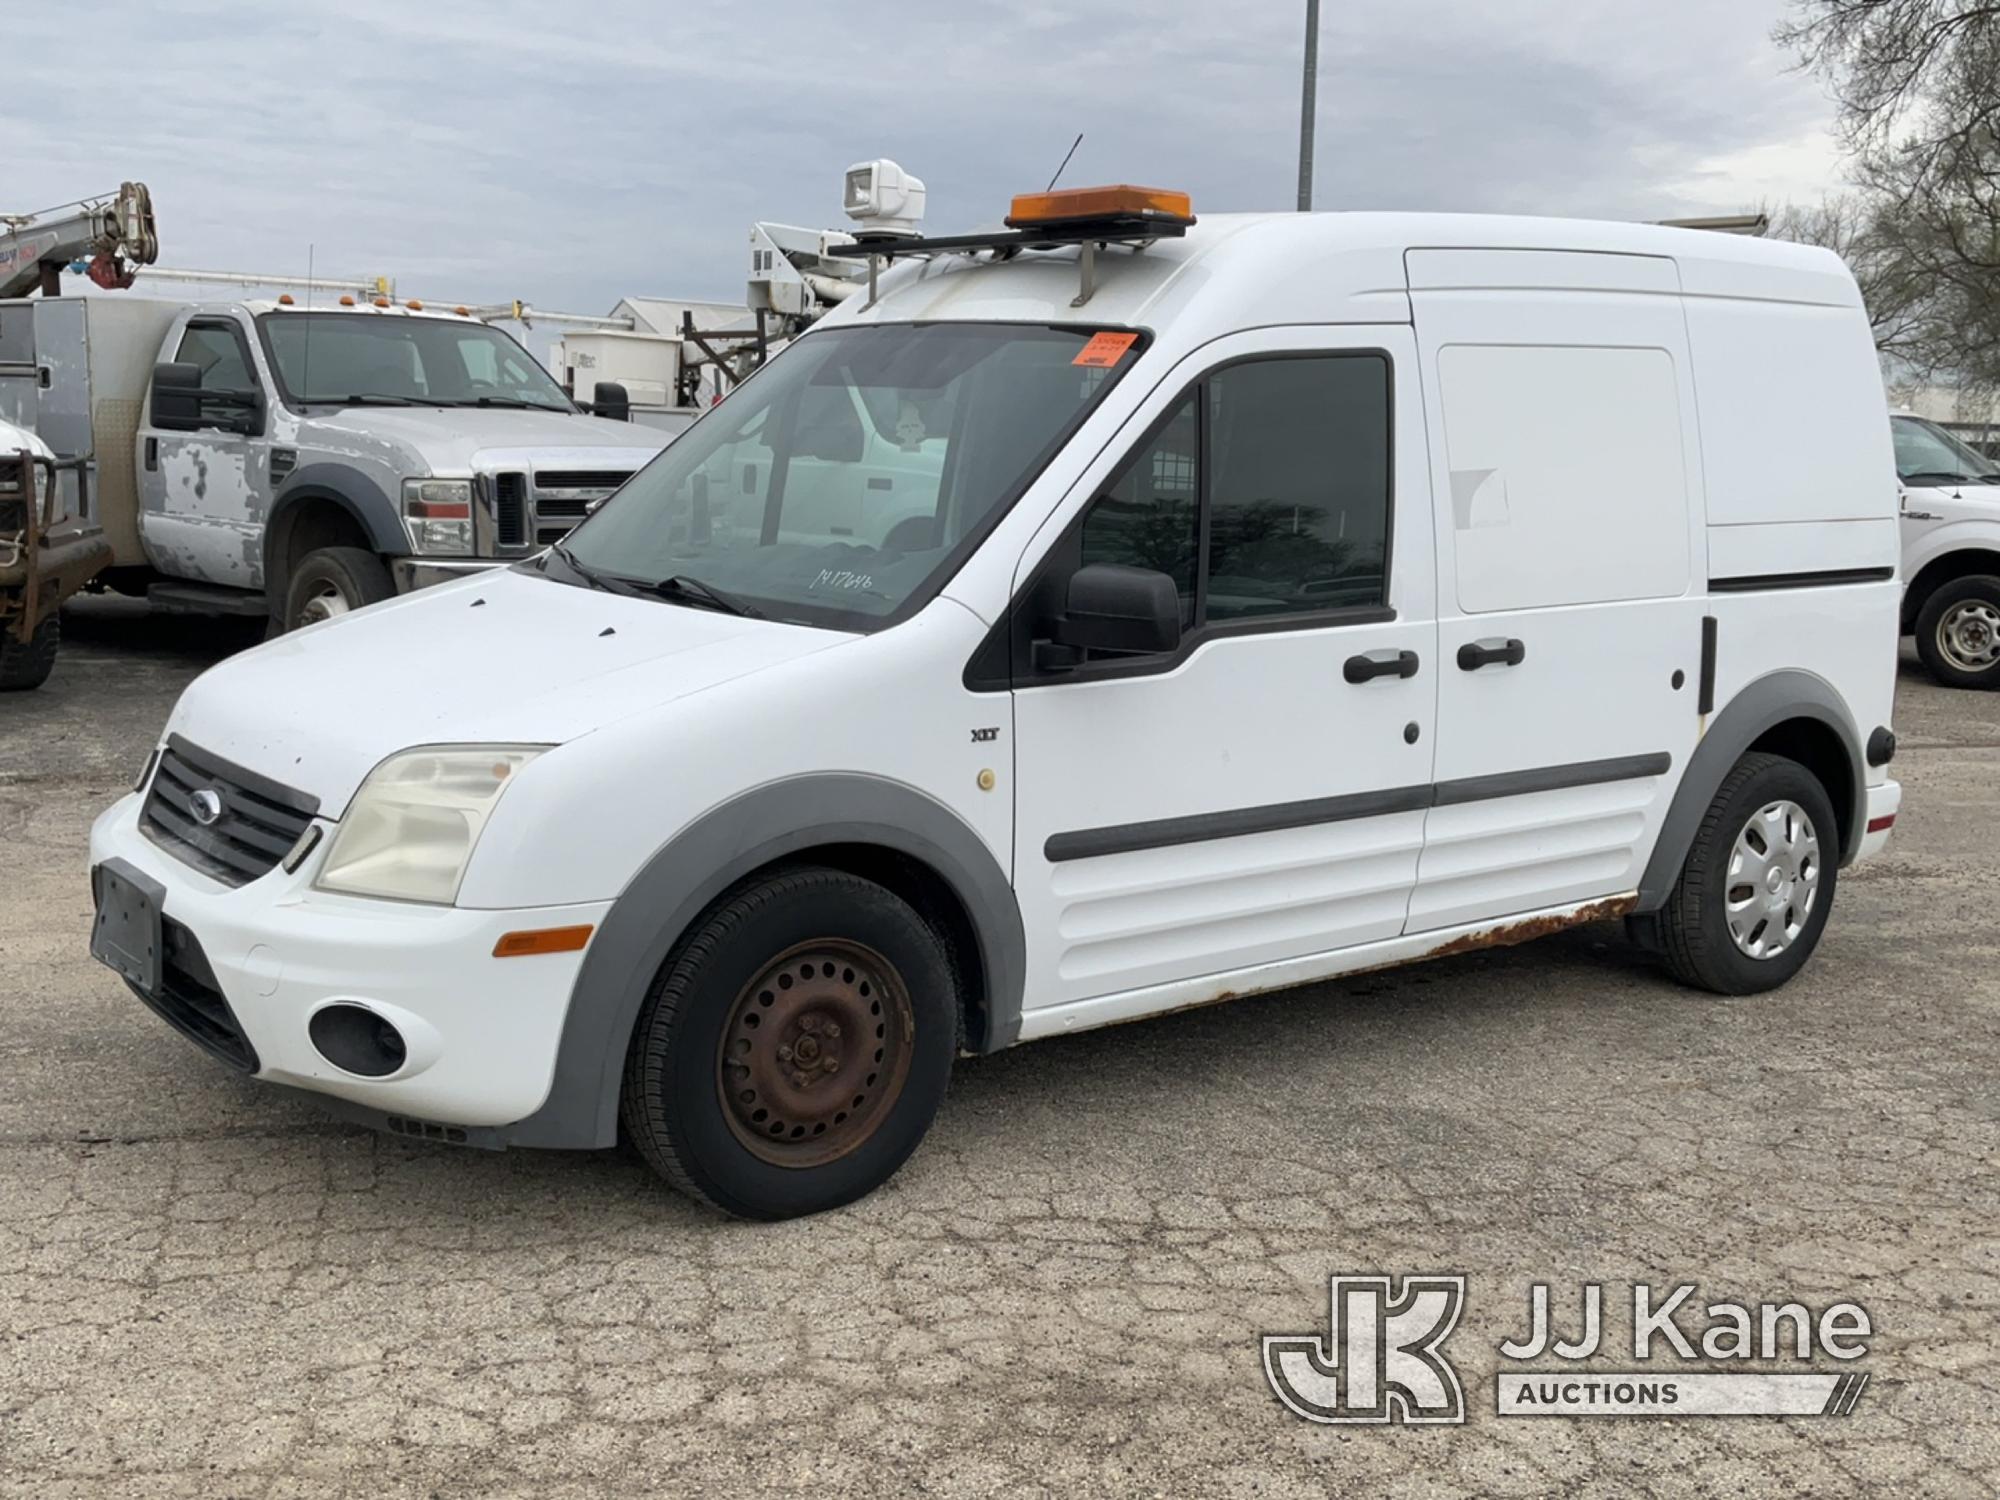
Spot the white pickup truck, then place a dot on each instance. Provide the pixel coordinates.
(268, 458)
(1951, 552)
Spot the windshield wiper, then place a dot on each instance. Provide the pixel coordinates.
(685, 590)
(1933, 478)
(510, 401)
(360, 400)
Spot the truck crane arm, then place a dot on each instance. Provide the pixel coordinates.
(116, 231)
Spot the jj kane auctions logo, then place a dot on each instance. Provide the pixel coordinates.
(1382, 1357)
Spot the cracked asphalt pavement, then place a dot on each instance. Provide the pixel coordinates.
(209, 1289)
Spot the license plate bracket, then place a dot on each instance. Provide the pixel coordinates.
(126, 936)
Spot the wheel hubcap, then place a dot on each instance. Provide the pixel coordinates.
(326, 602)
(1968, 635)
(1774, 871)
(815, 1052)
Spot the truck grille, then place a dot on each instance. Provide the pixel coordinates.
(510, 509)
(259, 822)
(564, 496)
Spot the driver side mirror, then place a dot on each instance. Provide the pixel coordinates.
(176, 396)
(1110, 607)
(611, 400)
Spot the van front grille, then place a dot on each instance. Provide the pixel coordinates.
(225, 821)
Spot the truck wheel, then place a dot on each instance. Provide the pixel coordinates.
(27, 664)
(795, 1047)
(1754, 895)
(1958, 632)
(334, 581)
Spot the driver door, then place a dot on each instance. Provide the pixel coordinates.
(1254, 799)
(211, 486)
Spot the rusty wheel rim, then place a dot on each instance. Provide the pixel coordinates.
(815, 1052)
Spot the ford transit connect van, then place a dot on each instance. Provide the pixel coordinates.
(1102, 616)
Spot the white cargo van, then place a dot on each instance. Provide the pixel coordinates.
(1104, 616)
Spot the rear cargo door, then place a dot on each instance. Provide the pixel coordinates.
(1566, 473)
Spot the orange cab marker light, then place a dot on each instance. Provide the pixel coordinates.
(346, 301)
(1876, 825)
(284, 299)
(1067, 205)
(381, 301)
(542, 940)
(413, 305)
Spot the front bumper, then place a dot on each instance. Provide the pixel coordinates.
(481, 1032)
(412, 573)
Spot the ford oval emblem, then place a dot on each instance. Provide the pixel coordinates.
(206, 805)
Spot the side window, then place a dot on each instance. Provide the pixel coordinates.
(217, 353)
(1150, 517)
(1298, 486)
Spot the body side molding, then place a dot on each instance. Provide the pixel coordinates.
(1127, 838)
(686, 874)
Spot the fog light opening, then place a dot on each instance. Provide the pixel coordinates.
(356, 1040)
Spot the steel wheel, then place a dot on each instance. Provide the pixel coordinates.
(1968, 635)
(1774, 874)
(815, 1052)
(325, 602)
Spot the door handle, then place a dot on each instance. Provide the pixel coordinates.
(1496, 652)
(1373, 664)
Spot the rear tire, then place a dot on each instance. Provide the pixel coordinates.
(1958, 632)
(27, 664)
(331, 582)
(795, 1047)
(1754, 895)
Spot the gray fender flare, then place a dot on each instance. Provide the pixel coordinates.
(707, 857)
(1762, 705)
(354, 491)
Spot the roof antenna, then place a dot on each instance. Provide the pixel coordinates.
(1065, 162)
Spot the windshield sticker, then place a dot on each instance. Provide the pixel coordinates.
(843, 579)
(1104, 350)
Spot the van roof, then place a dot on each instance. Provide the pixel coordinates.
(1234, 271)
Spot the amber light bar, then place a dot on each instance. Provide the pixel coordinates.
(1070, 205)
(542, 940)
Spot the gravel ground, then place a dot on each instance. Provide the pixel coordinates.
(208, 1289)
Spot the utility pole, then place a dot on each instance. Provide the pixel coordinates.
(1306, 107)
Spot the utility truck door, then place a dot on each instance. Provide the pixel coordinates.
(207, 473)
(1559, 399)
(1254, 792)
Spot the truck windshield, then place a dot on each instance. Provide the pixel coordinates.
(846, 482)
(1925, 451)
(351, 359)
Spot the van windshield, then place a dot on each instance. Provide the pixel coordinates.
(847, 480)
(365, 359)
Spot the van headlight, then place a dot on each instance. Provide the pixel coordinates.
(438, 514)
(412, 827)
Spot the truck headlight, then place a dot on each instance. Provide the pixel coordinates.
(438, 514)
(411, 829)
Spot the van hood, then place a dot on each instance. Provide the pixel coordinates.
(503, 657)
(463, 439)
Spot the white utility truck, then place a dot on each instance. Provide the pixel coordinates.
(1100, 616)
(271, 458)
(1951, 552)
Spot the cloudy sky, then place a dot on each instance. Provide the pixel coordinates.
(571, 154)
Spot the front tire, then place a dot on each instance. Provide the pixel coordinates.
(1755, 892)
(334, 581)
(795, 1048)
(1958, 632)
(27, 664)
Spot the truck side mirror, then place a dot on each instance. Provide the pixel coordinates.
(1110, 607)
(176, 396)
(610, 399)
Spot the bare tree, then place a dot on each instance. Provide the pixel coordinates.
(1918, 87)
